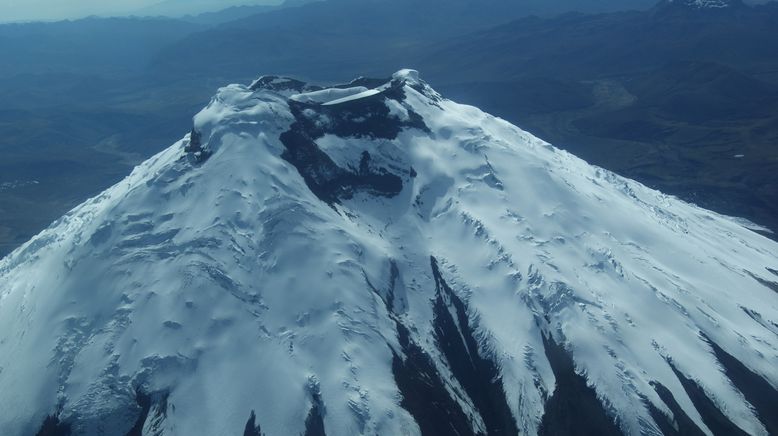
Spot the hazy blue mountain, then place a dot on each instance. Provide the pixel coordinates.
(226, 15)
(581, 46)
(180, 8)
(337, 35)
(238, 12)
(88, 46)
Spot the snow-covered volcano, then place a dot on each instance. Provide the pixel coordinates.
(373, 259)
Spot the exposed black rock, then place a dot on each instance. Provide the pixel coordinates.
(424, 393)
(763, 282)
(314, 423)
(766, 323)
(679, 424)
(479, 376)
(394, 303)
(394, 274)
(773, 271)
(144, 402)
(573, 409)
(195, 147)
(364, 163)
(277, 83)
(153, 411)
(758, 391)
(52, 426)
(716, 421)
(363, 81)
(364, 117)
(326, 179)
(368, 117)
(252, 428)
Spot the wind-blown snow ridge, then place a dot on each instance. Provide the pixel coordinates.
(375, 259)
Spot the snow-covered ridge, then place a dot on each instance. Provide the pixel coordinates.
(375, 259)
(707, 4)
(702, 4)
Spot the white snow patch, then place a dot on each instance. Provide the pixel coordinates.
(360, 95)
(325, 96)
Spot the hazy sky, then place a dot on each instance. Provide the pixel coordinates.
(24, 10)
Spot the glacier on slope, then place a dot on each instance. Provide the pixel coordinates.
(375, 259)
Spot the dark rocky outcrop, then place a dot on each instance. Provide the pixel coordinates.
(153, 411)
(367, 117)
(364, 81)
(314, 423)
(766, 283)
(195, 147)
(766, 323)
(679, 424)
(758, 391)
(573, 409)
(364, 117)
(424, 393)
(326, 179)
(280, 84)
(716, 421)
(52, 426)
(479, 376)
(252, 428)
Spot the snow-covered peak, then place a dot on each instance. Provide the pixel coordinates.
(703, 5)
(407, 75)
(373, 258)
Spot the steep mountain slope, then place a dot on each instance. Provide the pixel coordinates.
(376, 259)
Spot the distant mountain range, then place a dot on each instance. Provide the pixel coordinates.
(181, 8)
(212, 14)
